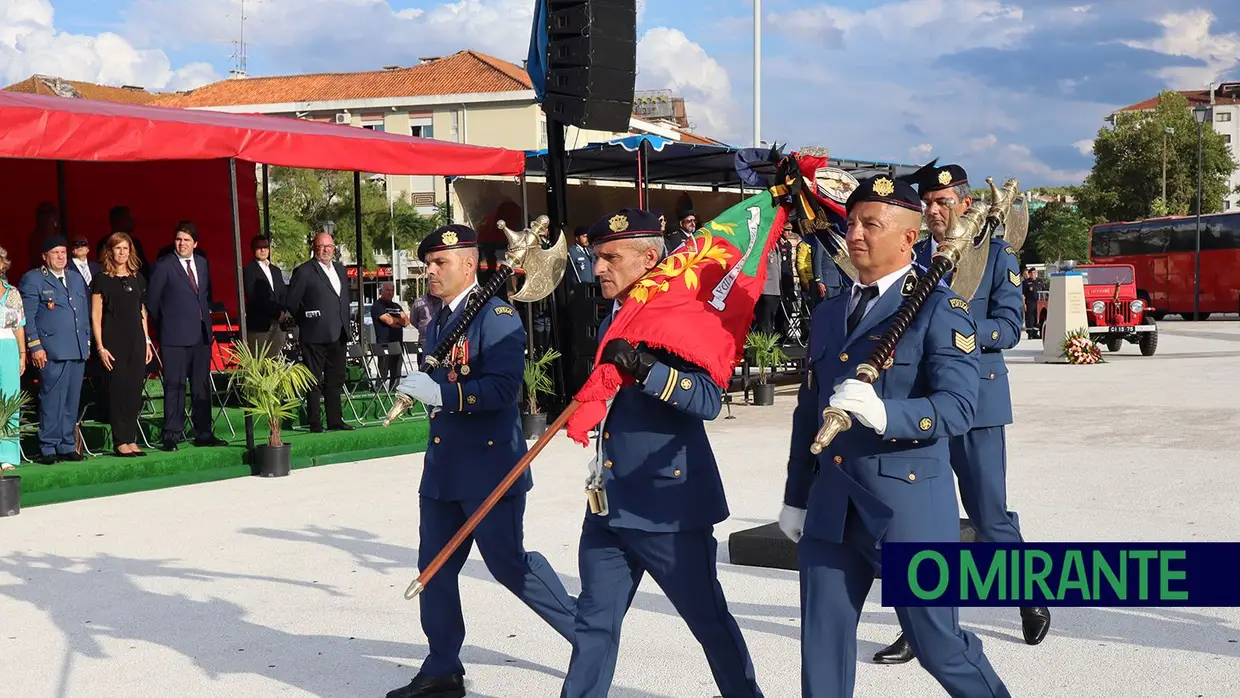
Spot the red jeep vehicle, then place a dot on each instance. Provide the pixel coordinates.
(1115, 313)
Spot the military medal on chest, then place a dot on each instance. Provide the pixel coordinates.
(458, 360)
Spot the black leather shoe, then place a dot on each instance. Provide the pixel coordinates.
(213, 441)
(898, 652)
(71, 457)
(341, 427)
(451, 686)
(123, 454)
(48, 459)
(168, 446)
(1035, 621)
(316, 429)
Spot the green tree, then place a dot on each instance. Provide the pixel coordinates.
(302, 200)
(1057, 231)
(1126, 179)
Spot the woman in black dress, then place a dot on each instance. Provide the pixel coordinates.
(118, 318)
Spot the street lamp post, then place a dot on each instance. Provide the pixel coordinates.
(1200, 114)
(1166, 132)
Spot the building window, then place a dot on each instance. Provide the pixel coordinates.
(373, 126)
(1223, 116)
(422, 131)
(1227, 138)
(1226, 205)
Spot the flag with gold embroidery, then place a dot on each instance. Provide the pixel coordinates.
(697, 304)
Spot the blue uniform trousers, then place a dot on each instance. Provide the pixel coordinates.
(612, 562)
(500, 541)
(835, 580)
(980, 461)
(60, 393)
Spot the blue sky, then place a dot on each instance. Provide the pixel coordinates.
(1007, 88)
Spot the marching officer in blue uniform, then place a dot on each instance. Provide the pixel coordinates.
(475, 440)
(662, 487)
(888, 478)
(979, 458)
(581, 259)
(57, 308)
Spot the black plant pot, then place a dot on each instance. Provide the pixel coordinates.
(764, 394)
(10, 495)
(535, 425)
(272, 461)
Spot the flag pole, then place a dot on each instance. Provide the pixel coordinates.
(417, 585)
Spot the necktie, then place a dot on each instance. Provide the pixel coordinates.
(865, 294)
(192, 281)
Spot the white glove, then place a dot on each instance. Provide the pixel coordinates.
(421, 387)
(859, 398)
(792, 522)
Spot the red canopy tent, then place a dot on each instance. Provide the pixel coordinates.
(170, 165)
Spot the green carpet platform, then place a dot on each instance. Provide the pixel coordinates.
(104, 474)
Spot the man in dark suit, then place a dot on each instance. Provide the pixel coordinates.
(318, 297)
(264, 299)
(58, 338)
(81, 262)
(179, 300)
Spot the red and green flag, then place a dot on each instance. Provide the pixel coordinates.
(697, 304)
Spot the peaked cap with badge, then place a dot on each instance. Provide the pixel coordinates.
(932, 177)
(627, 223)
(885, 190)
(449, 237)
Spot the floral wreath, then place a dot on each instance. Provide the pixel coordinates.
(1080, 350)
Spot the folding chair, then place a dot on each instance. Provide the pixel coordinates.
(219, 364)
(354, 354)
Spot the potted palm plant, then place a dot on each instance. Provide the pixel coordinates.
(767, 352)
(537, 382)
(271, 387)
(11, 485)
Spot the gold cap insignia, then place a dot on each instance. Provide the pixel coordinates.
(619, 223)
(945, 177)
(925, 424)
(450, 238)
(884, 186)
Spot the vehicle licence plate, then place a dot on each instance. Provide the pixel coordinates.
(1121, 330)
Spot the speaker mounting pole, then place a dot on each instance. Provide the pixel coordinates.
(757, 73)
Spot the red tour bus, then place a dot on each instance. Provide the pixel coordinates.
(1162, 250)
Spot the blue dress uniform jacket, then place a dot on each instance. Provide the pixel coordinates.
(664, 496)
(659, 470)
(58, 322)
(476, 437)
(63, 330)
(475, 440)
(865, 489)
(997, 308)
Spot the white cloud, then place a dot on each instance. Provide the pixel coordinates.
(30, 44)
(925, 27)
(1085, 147)
(667, 59)
(1188, 34)
(987, 142)
(1020, 160)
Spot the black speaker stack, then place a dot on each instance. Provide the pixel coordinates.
(585, 311)
(591, 63)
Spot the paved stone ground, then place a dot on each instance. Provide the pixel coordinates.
(293, 587)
